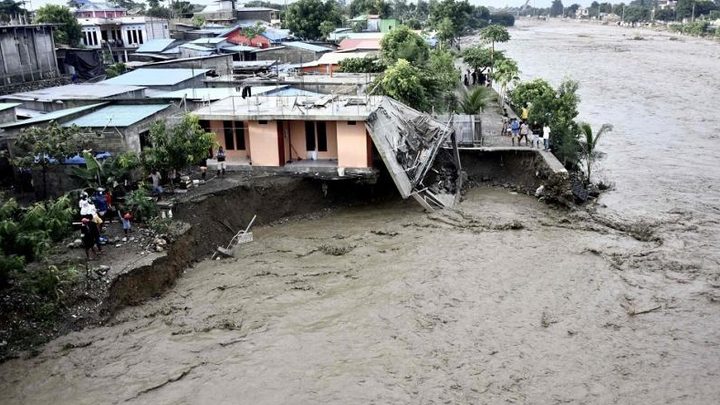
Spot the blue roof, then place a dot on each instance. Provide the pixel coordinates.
(196, 47)
(117, 115)
(276, 35)
(51, 116)
(156, 77)
(306, 46)
(155, 45)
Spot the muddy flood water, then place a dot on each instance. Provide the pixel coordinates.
(503, 299)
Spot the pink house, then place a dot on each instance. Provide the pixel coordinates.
(325, 136)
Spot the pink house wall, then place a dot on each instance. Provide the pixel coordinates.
(264, 145)
(217, 128)
(352, 145)
(297, 139)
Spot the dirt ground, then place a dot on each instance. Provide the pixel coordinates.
(503, 299)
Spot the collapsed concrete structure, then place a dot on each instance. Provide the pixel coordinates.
(336, 138)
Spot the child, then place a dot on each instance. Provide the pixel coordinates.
(126, 218)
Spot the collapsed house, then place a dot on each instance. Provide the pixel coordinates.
(336, 138)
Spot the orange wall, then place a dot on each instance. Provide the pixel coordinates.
(352, 144)
(321, 69)
(217, 128)
(264, 147)
(297, 137)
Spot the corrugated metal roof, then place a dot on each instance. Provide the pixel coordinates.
(239, 48)
(155, 45)
(156, 77)
(212, 41)
(334, 58)
(196, 47)
(175, 49)
(7, 106)
(306, 46)
(55, 115)
(276, 34)
(253, 64)
(117, 115)
(73, 91)
(350, 43)
(292, 91)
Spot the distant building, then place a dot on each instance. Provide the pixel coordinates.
(105, 26)
(669, 4)
(270, 37)
(225, 12)
(27, 54)
(292, 52)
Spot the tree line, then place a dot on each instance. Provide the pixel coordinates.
(634, 11)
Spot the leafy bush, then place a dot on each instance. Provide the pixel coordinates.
(141, 204)
(361, 65)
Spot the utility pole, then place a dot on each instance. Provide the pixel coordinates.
(693, 12)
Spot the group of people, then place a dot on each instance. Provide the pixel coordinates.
(475, 78)
(94, 211)
(519, 129)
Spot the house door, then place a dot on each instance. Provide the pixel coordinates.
(281, 143)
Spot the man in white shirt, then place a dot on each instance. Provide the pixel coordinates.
(546, 137)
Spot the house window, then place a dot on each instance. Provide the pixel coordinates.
(140, 36)
(321, 137)
(229, 135)
(352, 122)
(262, 122)
(316, 136)
(240, 135)
(309, 135)
(145, 140)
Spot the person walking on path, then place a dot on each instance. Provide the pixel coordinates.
(524, 130)
(88, 242)
(515, 131)
(220, 156)
(126, 223)
(156, 177)
(546, 137)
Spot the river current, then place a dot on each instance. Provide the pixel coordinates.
(503, 299)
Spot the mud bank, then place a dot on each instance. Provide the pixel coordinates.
(523, 169)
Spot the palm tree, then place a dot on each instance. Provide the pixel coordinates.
(589, 144)
(492, 34)
(474, 101)
(506, 72)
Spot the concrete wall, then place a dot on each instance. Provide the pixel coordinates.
(264, 146)
(221, 64)
(8, 115)
(353, 147)
(27, 54)
(297, 139)
(287, 54)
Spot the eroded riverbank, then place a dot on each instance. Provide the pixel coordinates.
(502, 299)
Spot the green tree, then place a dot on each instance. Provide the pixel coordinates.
(327, 28)
(362, 65)
(481, 58)
(402, 43)
(506, 72)
(446, 31)
(198, 21)
(571, 10)
(556, 9)
(252, 31)
(68, 30)
(493, 34)
(116, 69)
(458, 12)
(43, 147)
(405, 83)
(178, 146)
(588, 146)
(304, 17)
(380, 7)
(475, 100)
(10, 9)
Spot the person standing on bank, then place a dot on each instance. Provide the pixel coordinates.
(546, 137)
(220, 156)
(524, 132)
(88, 242)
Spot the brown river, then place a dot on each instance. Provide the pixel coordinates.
(503, 299)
